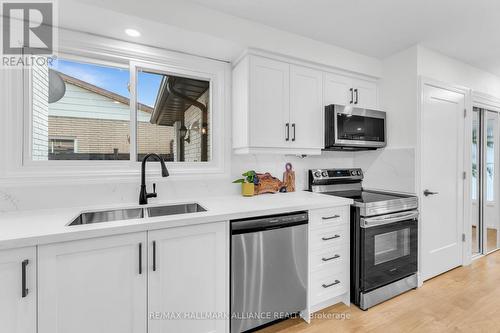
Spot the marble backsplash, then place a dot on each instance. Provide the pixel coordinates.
(388, 169)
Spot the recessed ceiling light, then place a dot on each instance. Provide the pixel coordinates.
(132, 32)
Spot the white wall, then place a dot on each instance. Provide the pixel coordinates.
(393, 168)
(442, 68)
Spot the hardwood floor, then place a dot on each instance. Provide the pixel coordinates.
(466, 299)
(491, 243)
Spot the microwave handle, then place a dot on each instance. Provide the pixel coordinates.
(357, 96)
(352, 95)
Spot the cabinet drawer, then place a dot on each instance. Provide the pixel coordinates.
(331, 256)
(325, 238)
(328, 283)
(329, 216)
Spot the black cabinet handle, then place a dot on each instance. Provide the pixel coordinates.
(328, 238)
(352, 96)
(331, 284)
(287, 126)
(331, 258)
(154, 256)
(24, 291)
(357, 95)
(330, 217)
(293, 127)
(140, 258)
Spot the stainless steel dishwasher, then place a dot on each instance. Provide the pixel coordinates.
(268, 269)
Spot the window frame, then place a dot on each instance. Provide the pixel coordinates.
(20, 167)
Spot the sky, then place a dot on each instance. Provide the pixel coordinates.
(112, 79)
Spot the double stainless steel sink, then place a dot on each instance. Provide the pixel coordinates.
(136, 213)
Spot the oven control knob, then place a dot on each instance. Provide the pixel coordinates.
(324, 174)
(317, 174)
(359, 172)
(353, 172)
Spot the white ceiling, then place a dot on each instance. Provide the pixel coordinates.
(463, 29)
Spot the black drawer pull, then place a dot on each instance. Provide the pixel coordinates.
(328, 238)
(330, 217)
(140, 258)
(331, 284)
(331, 258)
(154, 256)
(24, 291)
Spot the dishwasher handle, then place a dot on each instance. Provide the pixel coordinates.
(263, 223)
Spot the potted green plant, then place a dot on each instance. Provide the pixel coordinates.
(248, 183)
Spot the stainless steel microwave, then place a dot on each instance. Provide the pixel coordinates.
(351, 128)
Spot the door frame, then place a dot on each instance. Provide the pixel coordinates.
(466, 167)
(489, 103)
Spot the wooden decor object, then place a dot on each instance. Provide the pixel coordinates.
(268, 184)
(289, 178)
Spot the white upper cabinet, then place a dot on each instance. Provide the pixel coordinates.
(306, 108)
(97, 285)
(269, 102)
(188, 274)
(272, 101)
(365, 94)
(278, 103)
(344, 90)
(337, 89)
(18, 290)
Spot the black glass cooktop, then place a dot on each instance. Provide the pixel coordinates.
(367, 196)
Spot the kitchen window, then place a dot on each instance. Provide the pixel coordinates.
(119, 102)
(90, 102)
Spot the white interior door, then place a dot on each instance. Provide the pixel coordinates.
(442, 164)
(490, 180)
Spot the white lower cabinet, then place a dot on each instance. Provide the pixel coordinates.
(18, 290)
(329, 264)
(168, 280)
(188, 276)
(97, 285)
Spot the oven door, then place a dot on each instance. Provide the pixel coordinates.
(359, 128)
(388, 249)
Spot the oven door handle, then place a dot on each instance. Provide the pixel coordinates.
(377, 221)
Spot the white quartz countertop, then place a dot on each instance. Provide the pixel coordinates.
(37, 227)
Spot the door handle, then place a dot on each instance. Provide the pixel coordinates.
(24, 291)
(293, 127)
(352, 95)
(427, 193)
(287, 135)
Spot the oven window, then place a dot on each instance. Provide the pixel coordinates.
(392, 245)
(351, 127)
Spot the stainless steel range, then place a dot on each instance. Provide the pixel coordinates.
(384, 236)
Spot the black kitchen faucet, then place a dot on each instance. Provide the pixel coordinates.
(144, 195)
